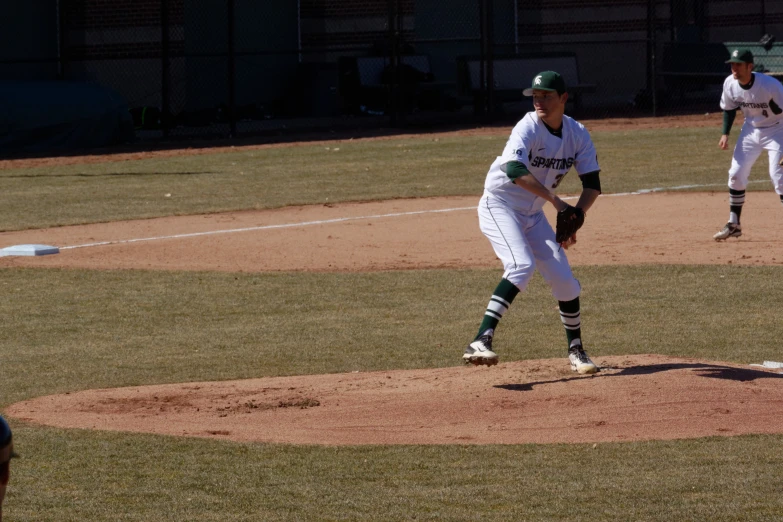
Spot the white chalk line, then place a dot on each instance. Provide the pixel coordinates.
(679, 187)
(267, 227)
(376, 216)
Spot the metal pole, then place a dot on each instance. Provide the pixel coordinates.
(299, 28)
(398, 52)
(651, 41)
(481, 103)
(490, 32)
(393, 92)
(60, 41)
(516, 27)
(231, 71)
(164, 67)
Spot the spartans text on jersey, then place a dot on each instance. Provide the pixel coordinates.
(552, 163)
(772, 105)
(754, 105)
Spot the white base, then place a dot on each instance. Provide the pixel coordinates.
(29, 250)
(770, 364)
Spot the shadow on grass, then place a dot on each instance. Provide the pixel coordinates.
(711, 371)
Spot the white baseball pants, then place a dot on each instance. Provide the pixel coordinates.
(524, 243)
(750, 143)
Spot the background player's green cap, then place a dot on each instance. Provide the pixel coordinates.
(740, 56)
(547, 81)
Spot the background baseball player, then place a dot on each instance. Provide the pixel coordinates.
(542, 148)
(6, 452)
(760, 97)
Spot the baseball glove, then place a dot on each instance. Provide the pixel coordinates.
(569, 220)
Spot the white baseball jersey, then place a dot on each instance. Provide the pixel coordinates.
(547, 157)
(512, 218)
(762, 104)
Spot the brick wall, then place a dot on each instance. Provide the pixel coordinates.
(621, 17)
(324, 21)
(98, 14)
(340, 24)
(744, 19)
(122, 51)
(114, 29)
(350, 8)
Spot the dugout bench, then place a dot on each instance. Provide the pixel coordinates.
(766, 60)
(693, 67)
(512, 74)
(366, 84)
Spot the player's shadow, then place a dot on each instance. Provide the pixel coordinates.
(710, 371)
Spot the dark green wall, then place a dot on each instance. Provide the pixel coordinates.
(28, 31)
(459, 19)
(270, 26)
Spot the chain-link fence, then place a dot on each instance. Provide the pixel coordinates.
(234, 67)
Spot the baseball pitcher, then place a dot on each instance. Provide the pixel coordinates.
(760, 97)
(542, 148)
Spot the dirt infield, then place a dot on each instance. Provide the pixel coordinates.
(632, 398)
(408, 234)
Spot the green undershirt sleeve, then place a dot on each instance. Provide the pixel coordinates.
(775, 107)
(514, 170)
(591, 181)
(728, 120)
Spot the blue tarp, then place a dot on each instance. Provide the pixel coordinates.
(52, 117)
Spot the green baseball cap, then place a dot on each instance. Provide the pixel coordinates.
(740, 55)
(547, 81)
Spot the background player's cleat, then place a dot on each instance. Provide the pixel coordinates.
(579, 360)
(729, 230)
(479, 352)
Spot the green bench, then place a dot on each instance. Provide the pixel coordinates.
(514, 73)
(698, 69)
(769, 61)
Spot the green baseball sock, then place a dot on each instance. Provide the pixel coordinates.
(570, 316)
(501, 299)
(736, 200)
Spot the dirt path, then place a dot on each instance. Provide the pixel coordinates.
(405, 234)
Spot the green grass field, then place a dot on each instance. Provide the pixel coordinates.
(67, 330)
(355, 170)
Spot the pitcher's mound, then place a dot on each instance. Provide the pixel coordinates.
(537, 401)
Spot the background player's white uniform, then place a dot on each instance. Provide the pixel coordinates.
(512, 217)
(762, 107)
